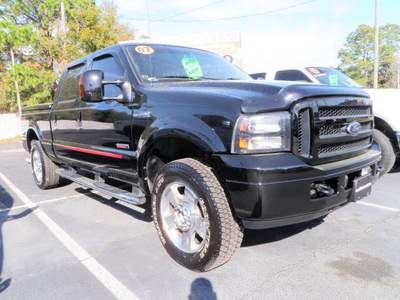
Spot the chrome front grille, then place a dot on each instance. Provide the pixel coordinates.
(335, 130)
(336, 148)
(325, 112)
(323, 129)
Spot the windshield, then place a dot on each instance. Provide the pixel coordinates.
(156, 63)
(332, 77)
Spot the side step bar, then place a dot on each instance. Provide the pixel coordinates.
(103, 187)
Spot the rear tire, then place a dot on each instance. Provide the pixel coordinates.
(192, 215)
(43, 169)
(388, 155)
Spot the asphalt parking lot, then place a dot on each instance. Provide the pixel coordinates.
(70, 243)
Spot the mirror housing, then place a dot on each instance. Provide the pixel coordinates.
(91, 87)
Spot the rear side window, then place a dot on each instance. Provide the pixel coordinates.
(112, 71)
(291, 75)
(70, 87)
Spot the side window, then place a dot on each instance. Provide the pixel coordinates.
(291, 75)
(70, 86)
(112, 71)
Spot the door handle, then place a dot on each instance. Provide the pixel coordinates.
(55, 118)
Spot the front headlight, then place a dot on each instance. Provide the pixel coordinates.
(269, 132)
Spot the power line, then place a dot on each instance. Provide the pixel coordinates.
(224, 19)
(176, 15)
(247, 16)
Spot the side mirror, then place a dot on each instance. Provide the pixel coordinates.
(91, 87)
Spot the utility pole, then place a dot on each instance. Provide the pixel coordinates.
(376, 50)
(64, 33)
(16, 82)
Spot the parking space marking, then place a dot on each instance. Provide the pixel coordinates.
(41, 202)
(12, 150)
(379, 206)
(119, 290)
(46, 201)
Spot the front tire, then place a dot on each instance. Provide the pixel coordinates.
(192, 215)
(388, 155)
(43, 169)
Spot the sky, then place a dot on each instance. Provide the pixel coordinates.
(285, 33)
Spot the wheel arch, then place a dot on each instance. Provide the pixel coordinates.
(32, 134)
(168, 147)
(387, 130)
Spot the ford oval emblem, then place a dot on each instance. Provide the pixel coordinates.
(353, 128)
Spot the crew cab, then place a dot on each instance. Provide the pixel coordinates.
(213, 150)
(386, 105)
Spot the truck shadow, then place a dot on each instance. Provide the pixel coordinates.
(396, 167)
(128, 209)
(265, 236)
(6, 202)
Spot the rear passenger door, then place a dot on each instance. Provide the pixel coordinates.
(104, 130)
(64, 116)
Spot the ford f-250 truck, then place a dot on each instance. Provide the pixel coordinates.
(215, 150)
(386, 104)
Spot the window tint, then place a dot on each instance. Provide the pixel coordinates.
(70, 86)
(164, 63)
(332, 77)
(58, 90)
(291, 75)
(112, 71)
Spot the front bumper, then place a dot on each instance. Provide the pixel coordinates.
(272, 190)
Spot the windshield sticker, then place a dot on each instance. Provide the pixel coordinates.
(314, 70)
(333, 80)
(192, 66)
(144, 50)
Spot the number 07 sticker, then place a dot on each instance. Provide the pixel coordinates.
(144, 50)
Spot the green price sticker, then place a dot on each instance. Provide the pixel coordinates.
(192, 66)
(333, 80)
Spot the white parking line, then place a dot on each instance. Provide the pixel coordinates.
(46, 201)
(378, 206)
(12, 150)
(41, 202)
(119, 290)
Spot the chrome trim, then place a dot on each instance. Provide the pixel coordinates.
(116, 151)
(102, 187)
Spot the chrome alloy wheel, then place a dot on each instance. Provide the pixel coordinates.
(37, 166)
(184, 218)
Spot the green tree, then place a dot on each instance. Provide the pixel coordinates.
(33, 30)
(93, 28)
(13, 36)
(357, 56)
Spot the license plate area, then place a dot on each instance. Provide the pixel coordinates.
(361, 187)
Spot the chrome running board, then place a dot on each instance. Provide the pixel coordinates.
(102, 187)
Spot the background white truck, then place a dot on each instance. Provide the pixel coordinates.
(386, 105)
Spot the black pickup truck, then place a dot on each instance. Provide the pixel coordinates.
(214, 150)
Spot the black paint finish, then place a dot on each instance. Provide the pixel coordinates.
(114, 138)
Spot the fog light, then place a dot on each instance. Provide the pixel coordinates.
(365, 171)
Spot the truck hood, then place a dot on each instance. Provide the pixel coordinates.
(258, 96)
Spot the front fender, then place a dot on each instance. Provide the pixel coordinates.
(187, 128)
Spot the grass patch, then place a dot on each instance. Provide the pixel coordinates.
(11, 140)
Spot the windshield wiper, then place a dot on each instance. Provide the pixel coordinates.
(187, 77)
(176, 77)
